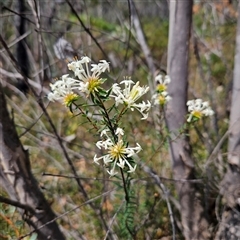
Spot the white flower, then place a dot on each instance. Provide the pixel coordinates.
(62, 90)
(161, 98)
(81, 68)
(64, 83)
(78, 64)
(118, 154)
(129, 95)
(104, 132)
(162, 84)
(101, 67)
(85, 59)
(197, 109)
(89, 80)
(84, 87)
(119, 131)
(115, 88)
(143, 108)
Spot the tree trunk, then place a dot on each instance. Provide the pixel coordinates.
(18, 181)
(194, 222)
(230, 186)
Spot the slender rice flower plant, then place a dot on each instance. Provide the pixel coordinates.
(87, 81)
(103, 108)
(198, 109)
(161, 97)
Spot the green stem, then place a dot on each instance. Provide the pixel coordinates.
(121, 113)
(90, 121)
(111, 127)
(124, 186)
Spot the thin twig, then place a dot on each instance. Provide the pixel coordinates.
(166, 194)
(216, 149)
(17, 40)
(113, 219)
(84, 178)
(67, 212)
(85, 28)
(41, 105)
(17, 204)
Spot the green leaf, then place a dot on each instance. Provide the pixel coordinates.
(33, 236)
(11, 209)
(108, 92)
(19, 223)
(111, 108)
(103, 80)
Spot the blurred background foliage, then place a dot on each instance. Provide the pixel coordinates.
(109, 22)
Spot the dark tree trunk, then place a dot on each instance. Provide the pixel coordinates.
(21, 49)
(18, 181)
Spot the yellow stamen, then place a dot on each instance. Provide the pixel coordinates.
(93, 85)
(162, 100)
(197, 114)
(117, 150)
(161, 87)
(69, 98)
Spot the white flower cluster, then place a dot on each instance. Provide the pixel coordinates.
(118, 153)
(197, 109)
(161, 97)
(128, 96)
(62, 88)
(88, 81)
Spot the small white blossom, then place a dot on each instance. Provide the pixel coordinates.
(143, 108)
(78, 64)
(101, 67)
(85, 59)
(72, 66)
(118, 154)
(82, 71)
(62, 90)
(197, 109)
(162, 83)
(161, 98)
(89, 79)
(84, 87)
(111, 172)
(119, 131)
(115, 89)
(129, 95)
(104, 132)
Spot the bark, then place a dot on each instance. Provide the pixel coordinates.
(18, 181)
(194, 222)
(21, 49)
(230, 185)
